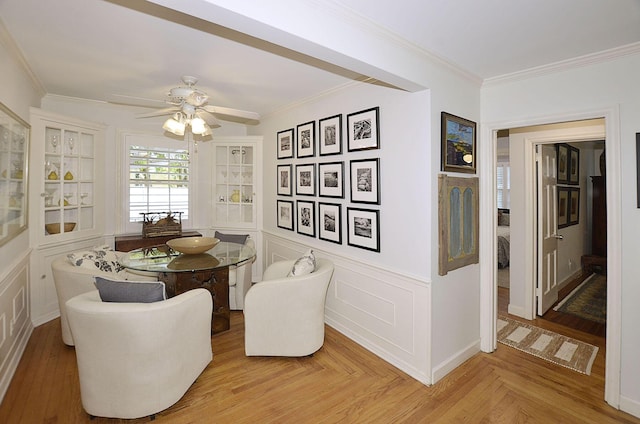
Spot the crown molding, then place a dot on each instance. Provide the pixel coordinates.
(14, 51)
(565, 65)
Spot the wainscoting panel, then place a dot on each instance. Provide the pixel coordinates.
(15, 322)
(385, 312)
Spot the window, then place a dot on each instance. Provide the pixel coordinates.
(158, 180)
(503, 185)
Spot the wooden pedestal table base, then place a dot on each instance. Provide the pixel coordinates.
(216, 281)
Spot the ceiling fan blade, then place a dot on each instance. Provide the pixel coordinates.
(210, 119)
(159, 112)
(233, 115)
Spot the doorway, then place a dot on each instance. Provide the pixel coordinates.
(525, 308)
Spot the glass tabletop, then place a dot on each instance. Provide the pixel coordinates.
(162, 258)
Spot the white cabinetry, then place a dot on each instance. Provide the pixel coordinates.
(66, 210)
(237, 188)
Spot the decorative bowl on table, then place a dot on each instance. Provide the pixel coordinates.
(55, 227)
(192, 245)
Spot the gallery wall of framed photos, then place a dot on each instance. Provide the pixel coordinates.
(568, 177)
(324, 192)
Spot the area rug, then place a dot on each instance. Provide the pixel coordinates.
(588, 300)
(547, 345)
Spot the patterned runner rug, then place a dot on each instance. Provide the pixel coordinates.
(588, 300)
(547, 345)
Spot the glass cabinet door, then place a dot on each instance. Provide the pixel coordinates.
(234, 185)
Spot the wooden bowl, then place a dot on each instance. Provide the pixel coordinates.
(55, 227)
(192, 245)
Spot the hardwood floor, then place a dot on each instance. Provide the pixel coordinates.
(341, 383)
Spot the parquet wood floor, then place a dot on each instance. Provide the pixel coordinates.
(341, 383)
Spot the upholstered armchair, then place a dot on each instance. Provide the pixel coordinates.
(137, 359)
(284, 316)
(71, 280)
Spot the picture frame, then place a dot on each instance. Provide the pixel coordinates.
(306, 140)
(330, 135)
(14, 169)
(563, 207)
(363, 132)
(330, 222)
(562, 163)
(574, 166)
(331, 179)
(284, 214)
(363, 228)
(306, 217)
(458, 222)
(458, 144)
(365, 186)
(306, 179)
(284, 180)
(574, 206)
(285, 143)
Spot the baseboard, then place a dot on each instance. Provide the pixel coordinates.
(630, 406)
(455, 361)
(517, 311)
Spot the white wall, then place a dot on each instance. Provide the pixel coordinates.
(611, 85)
(18, 93)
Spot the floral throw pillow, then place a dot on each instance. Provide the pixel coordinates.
(306, 264)
(101, 258)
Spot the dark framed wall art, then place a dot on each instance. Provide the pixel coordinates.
(363, 132)
(458, 139)
(563, 207)
(574, 166)
(331, 179)
(562, 163)
(306, 179)
(285, 144)
(365, 186)
(285, 214)
(330, 222)
(330, 132)
(363, 228)
(306, 139)
(284, 180)
(306, 213)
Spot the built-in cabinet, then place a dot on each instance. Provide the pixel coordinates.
(237, 188)
(66, 210)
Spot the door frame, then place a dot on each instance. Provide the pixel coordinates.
(488, 249)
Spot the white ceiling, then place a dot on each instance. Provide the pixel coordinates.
(99, 49)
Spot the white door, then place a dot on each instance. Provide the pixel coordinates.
(547, 281)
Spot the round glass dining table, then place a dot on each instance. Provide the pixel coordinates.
(180, 272)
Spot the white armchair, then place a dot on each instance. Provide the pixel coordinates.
(284, 316)
(137, 359)
(71, 280)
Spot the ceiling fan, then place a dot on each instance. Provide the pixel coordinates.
(189, 107)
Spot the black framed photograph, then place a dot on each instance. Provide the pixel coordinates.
(363, 130)
(306, 139)
(458, 150)
(574, 205)
(330, 131)
(285, 144)
(562, 163)
(284, 180)
(574, 165)
(330, 222)
(306, 179)
(363, 228)
(285, 214)
(306, 217)
(364, 181)
(563, 207)
(331, 179)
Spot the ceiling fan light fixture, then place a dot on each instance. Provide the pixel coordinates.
(198, 126)
(174, 125)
